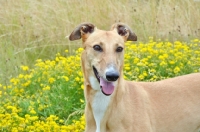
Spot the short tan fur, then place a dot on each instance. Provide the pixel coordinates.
(116, 105)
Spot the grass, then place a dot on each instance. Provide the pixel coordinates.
(30, 30)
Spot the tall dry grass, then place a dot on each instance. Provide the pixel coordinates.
(37, 29)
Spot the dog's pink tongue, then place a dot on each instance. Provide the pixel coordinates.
(107, 87)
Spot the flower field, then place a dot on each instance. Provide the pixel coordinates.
(49, 97)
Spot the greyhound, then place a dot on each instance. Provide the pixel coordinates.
(116, 105)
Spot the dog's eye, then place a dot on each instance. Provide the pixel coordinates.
(97, 48)
(119, 49)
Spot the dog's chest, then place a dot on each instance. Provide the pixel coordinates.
(99, 104)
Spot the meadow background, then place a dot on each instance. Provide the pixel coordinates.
(40, 78)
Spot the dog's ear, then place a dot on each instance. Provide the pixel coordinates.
(82, 31)
(124, 31)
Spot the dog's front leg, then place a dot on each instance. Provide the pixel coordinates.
(90, 122)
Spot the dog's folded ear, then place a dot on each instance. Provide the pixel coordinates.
(124, 31)
(82, 31)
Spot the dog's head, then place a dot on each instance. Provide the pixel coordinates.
(103, 55)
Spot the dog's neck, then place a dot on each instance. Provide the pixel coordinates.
(99, 102)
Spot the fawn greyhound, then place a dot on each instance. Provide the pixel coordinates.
(116, 105)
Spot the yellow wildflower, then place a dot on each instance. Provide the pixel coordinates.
(33, 111)
(176, 70)
(66, 78)
(51, 80)
(25, 68)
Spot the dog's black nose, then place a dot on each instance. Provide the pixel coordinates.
(112, 76)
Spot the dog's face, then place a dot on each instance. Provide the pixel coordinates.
(103, 54)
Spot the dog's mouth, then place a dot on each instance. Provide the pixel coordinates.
(107, 87)
(96, 74)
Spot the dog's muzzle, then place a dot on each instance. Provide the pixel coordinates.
(107, 85)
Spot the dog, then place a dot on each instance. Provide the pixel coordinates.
(116, 105)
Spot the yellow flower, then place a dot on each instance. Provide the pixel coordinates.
(14, 81)
(66, 51)
(171, 62)
(165, 56)
(141, 76)
(195, 40)
(21, 76)
(161, 57)
(51, 80)
(25, 68)
(136, 69)
(61, 121)
(26, 83)
(127, 68)
(33, 111)
(145, 74)
(80, 50)
(136, 60)
(163, 63)
(176, 70)
(46, 88)
(82, 101)
(77, 79)
(82, 86)
(33, 118)
(66, 78)
(57, 58)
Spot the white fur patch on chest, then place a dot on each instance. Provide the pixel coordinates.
(99, 104)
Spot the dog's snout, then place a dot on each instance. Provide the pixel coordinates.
(112, 76)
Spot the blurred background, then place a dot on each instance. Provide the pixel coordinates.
(37, 29)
